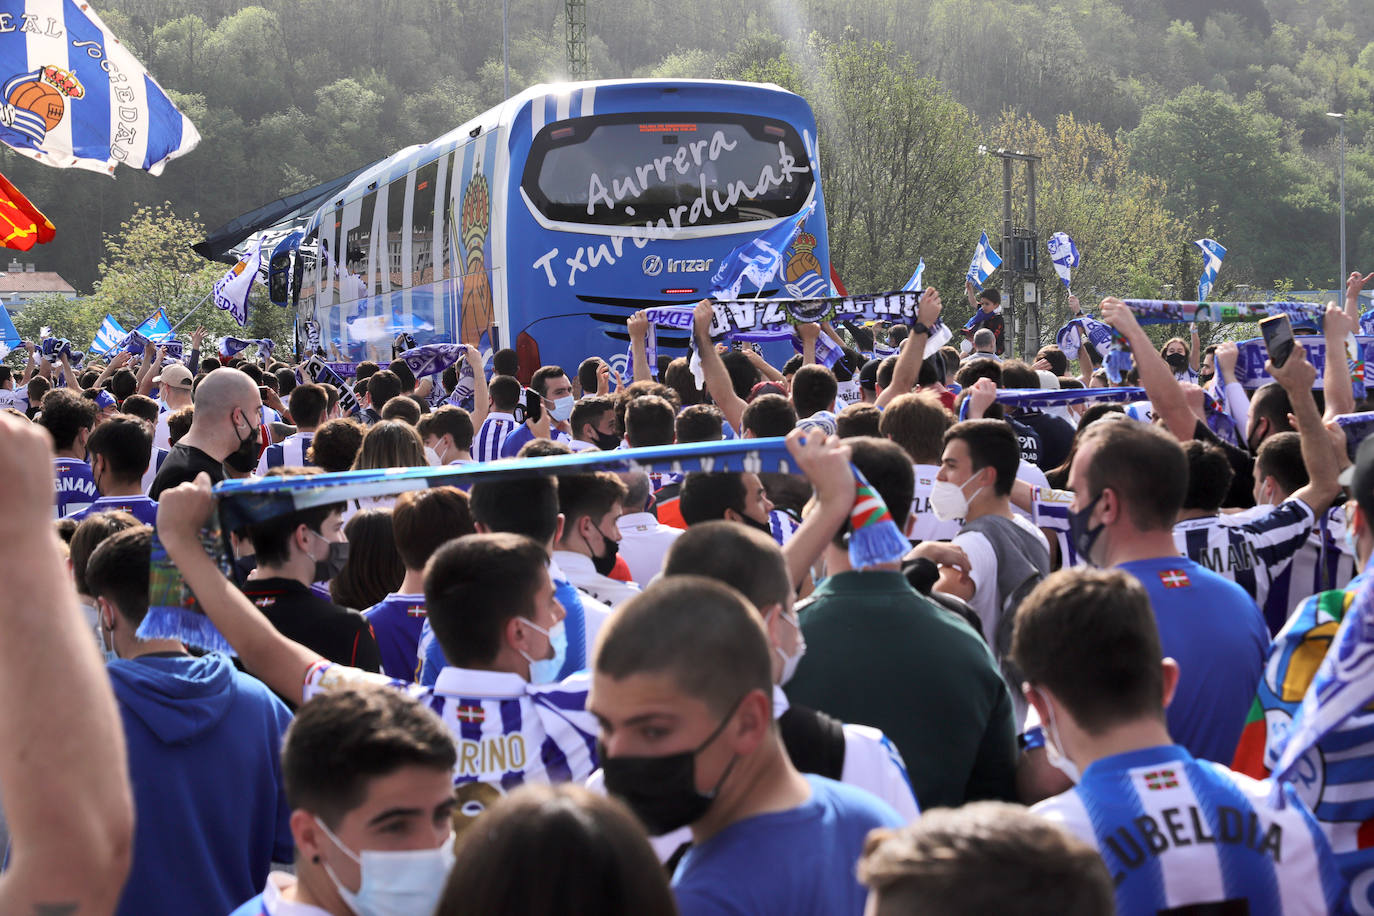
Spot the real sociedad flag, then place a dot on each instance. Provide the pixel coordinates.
(1064, 255)
(73, 95)
(759, 259)
(155, 328)
(984, 262)
(108, 336)
(231, 290)
(914, 284)
(1212, 254)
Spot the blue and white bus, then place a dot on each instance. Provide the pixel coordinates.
(544, 223)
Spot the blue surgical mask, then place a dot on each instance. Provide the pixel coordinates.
(394, 882)
(562, 409)
(545, 670)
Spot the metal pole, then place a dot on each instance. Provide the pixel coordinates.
(1008, 268)
(194, 310)
(1340, 281)
(505, 43)
(1031, 342)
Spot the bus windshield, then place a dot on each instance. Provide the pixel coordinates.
(679, 170)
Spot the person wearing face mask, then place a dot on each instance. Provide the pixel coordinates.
(591, 504)
(1183, 361)
(226, 430)
(294, 551)
(202, 742)
(682, 689)
(742, 498)
(119, 450)
(555, 391)
(997, 556)
(593, 425)
(448, 433)
(1176, 833)
(369, 784)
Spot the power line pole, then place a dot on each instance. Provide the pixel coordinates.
(577, 39)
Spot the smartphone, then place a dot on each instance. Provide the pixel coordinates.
(1278, 338)
(263, 391)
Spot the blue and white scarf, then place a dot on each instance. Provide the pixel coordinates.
(1042, 398)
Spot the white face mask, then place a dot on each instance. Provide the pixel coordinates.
(1054, 753)
(790, 662)
(948, 502)
(394, 882)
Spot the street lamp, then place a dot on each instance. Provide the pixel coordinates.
(1340, 119)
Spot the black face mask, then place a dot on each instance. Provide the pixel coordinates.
(606, 441)
(334, 561)
(1080, 535)
(1177, 361)
(606, 562)
(244, 459)
(243, 566)
(662, 791)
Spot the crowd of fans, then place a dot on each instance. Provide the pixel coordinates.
(650, 692)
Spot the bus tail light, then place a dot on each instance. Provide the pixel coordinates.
(527, 351)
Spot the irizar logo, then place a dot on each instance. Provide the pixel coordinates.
(653, 265)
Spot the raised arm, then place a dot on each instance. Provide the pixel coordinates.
(638, 327)
(825, 462)
(1166, 397)
(808, 334)
(68, 376)
(1195, 348)
(269, 656)
(64, 782)
(1237, 400)
(481, 398)
(913, 352)
(717, 379)
(152, 364)
(1296, 376)
(1354, 284)
(766, 369)
(1339, 392)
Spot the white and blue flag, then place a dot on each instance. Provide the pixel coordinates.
(914, 284)
(108, 336)
(1212, 254)
(231, 290)
(1064, 255)
(73, 95)
(154, 329)
(984, 262)
(758, 260)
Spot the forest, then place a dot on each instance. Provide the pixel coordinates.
(1159, 121)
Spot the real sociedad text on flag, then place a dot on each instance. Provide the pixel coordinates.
(231, 290)
(73, 95)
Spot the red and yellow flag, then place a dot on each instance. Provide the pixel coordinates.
(22, 225)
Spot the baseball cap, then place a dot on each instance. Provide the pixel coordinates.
(868, 375)
(175, 377)
(766, 387)
(1359, 477)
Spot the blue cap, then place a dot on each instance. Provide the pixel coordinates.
(104, 400)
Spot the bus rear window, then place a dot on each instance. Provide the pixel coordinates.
(683, 170)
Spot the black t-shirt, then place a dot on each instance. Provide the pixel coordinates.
(1056, 437)
(1029, 440)
(1242, 492)
(340, 635)
(182, 464)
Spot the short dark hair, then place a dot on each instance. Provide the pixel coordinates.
(308, 404)
(888, 469)
(556, 849)
(858, 420)
(1271, 401)
(272, 537)
(1280, 457)
(744, 375)
(65, 414)
(1209, 476)
(382, 386)
(505, 392)
(473, 586)
(1016, 374)
(451, 421)
(374, 568)
(1143, 465)
(528, 506)
(286, 382)
(89, 534)
(401, 369)
(769, 415)
(990, 443)
(117, 571)
(365, 370)
(590, 495)
(974, 369)
(813, 389)
(886, 369)
(342, 739)
(747, 560)
(179, 423)
(505, 362)
(425, 520)
(918, 423)
(209, 364)
(678, 376)
(1089, 635)
(701, 633)
(540, 447)
(540, 380)
(1057, 358)
(141, 406)
(704, 497)
(590, 410)
(699, 423)
(638, 390)
(335, 444)
(649, 420)
(126, 444)
(123, 383)
(587, 374)
(942, 862)
(991, 294)
(403, 409)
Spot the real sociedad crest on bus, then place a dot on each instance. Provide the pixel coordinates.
(36, 102)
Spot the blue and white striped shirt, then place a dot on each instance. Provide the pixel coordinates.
(486, 445)
(1175, 832)
(1251, 554)
(288, 453)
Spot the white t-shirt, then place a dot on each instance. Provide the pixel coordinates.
(982, 561)
(644, 542)
(922, 525)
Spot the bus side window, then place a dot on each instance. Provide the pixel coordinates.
(422, 225)
(359, 244)
(395, 234)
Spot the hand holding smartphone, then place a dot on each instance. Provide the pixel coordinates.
(1278, 338)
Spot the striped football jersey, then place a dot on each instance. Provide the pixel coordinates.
(288, 453)
(486, 445)
(1176, 832)
(1250, 554)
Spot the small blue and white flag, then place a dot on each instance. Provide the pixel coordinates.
(914, 284)
(155, 328)
(73, 95)
(1064, 255)
(108, 336)
(9, 337)
(231, 290)
(759, 259)
(984, 262)
(1212, 253)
